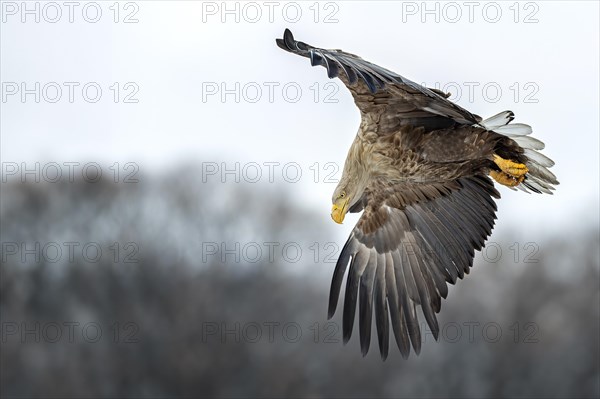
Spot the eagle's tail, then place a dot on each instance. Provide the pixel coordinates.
(520, 165)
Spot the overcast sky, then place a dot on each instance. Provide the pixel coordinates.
(163, 84)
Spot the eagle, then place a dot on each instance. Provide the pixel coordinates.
(420, 170)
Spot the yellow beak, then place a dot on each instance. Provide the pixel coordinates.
(338, 211)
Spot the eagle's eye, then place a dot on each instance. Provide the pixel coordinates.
(342, 195)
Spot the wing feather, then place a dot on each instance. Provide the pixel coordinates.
(338, 274)
(367, 280)
(437, 241)
(396, 315)
(404, 250)
(381, 306)
(404, 101)
(357, 267)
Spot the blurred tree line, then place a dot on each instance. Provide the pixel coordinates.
(167, 310)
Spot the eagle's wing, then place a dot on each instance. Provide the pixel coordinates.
(411, 240)
(379, 91)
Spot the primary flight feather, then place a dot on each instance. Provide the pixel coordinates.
(418, 170)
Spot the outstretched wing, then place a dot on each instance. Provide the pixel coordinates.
(393, 99)
(411, 240)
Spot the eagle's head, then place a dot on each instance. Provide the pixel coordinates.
(347, 194)
(340, 201)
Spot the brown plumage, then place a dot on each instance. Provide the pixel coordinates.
(418, 170)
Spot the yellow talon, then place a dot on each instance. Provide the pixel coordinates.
(511, 174)
(506, 179)
(510, 167)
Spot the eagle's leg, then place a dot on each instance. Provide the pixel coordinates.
(510, 174)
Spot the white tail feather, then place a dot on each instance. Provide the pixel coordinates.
(529, 142)
(541, 172)
(501, 119)
(538, 158)
(514, 129)
(538, 184)
(539, 178)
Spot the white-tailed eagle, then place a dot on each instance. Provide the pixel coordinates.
(418, 170)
